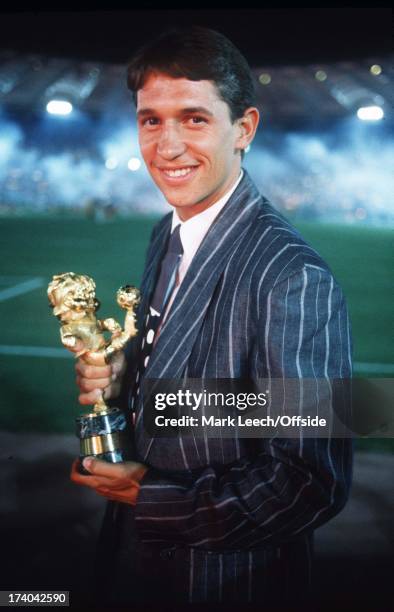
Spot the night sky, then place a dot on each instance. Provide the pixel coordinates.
(266, 36)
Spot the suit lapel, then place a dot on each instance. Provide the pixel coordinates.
(186, 316)
(155, 255)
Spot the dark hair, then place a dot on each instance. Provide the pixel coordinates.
(196, 53)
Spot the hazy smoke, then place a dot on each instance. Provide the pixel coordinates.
(340, 175)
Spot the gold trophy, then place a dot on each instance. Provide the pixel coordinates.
(73, 299)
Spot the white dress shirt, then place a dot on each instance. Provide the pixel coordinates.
(192, 233)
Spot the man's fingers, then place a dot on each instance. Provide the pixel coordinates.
(94, 358)
(130, 470)
(94, 379)
(86, 479)
(87, 385)
(89, 371)
(79, 478)
(97, 467)
(119, 481)
(90, 398)
(93, 396)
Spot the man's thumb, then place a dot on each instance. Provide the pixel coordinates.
(88, 463)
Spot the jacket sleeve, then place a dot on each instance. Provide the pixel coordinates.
(287, 486)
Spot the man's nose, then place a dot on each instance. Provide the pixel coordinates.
(170, 144)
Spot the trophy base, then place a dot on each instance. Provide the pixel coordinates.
(102, 435)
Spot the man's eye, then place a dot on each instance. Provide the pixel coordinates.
(196, 120)
(150, 121)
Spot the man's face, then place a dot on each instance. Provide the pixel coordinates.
(187, 140)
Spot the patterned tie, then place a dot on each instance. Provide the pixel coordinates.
(164, 288)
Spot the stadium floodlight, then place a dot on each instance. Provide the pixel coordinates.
(134, 164)
(370, 113)
(59, 107)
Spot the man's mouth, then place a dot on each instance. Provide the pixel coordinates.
(178, 174)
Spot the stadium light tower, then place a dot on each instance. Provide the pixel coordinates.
(59, 107)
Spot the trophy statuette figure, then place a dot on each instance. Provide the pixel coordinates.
(73, 299)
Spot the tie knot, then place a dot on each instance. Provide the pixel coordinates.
(175, 243)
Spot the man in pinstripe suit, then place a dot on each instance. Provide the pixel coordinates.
(219, 520)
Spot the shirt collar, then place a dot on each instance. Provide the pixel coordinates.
(193, 230)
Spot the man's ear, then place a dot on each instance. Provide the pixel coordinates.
(247, 126)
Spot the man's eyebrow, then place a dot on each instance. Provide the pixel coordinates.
(143, 112)
(196, 109)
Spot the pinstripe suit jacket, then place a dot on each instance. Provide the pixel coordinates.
(231, 519)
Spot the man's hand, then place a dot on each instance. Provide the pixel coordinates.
(92, 379)
(115, 481)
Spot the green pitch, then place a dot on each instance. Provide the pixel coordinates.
(38, 393)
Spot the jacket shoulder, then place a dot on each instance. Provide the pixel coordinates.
(283, 250)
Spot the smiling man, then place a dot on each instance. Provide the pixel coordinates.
(189, 142)
(230, 291)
